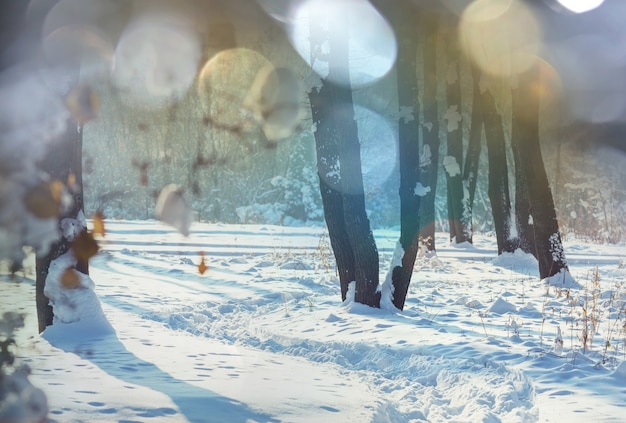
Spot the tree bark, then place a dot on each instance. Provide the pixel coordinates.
(499, 195)
(460, 227)
(547, 238)
(429, 158)
(408, 145)
(525, 239)
(339, 164)
(330, 187)
(474, 147)
(64, 158)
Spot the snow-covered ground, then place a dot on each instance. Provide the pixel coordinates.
(262, 335)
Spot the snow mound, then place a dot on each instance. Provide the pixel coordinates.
(518, 261)
(502, 306)
(563, 279)
(620, 372)
(77, 309)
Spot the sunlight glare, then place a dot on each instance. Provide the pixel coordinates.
(378, 149)
(155, 62)
(274, 99)
(372, 44)
(225, 82)
(500, 36)
(579, 60)
(580, 6)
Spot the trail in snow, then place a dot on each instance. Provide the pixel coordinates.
(262, 336)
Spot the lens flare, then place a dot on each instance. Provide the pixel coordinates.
(378, 148)
(591, 68)
(372, 45)
(77, 43)
(500, 36)
(580, 6)
(225, 82)
(155, 62)
(275, 100)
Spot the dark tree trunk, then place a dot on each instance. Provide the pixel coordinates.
(408, 137)
(330, 187)
(356, 221)
(430, 131)
(525, 239)
(339, 168)
(460, 227)
(499, 195)
(474, 146)
(64, 158)
(547, 239)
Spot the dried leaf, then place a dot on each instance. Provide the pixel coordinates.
(70, 279)
(98, 223)
(202, 267)
(83, 104)
(44, 200)
(143, 171)
(56, 189)
(71, 183)
(172, 208)
(85, 246)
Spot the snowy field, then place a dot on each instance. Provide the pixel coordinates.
(262, 335)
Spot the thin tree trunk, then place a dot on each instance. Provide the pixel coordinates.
(499, 195)
(460, 228)
(474, 146)
(547, 238)
(330, 187)
(408, 135)
(429, 158)
(525, 239)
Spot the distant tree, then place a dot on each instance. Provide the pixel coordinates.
(339, 169)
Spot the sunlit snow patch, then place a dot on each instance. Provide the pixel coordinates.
(501, 306)
(563, 279)
(518, 261)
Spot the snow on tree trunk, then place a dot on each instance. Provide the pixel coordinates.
(63, 163)
(75, 303)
